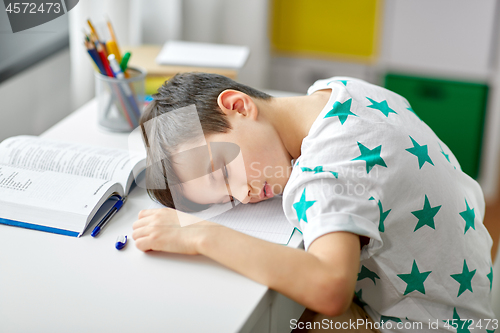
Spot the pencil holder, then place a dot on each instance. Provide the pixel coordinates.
(120, 101)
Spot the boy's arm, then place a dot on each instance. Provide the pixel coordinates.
(322, 279)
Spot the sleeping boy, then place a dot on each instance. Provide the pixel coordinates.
(387, 215)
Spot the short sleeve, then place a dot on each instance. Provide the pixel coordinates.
(322, 201)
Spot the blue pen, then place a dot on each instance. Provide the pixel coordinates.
(108, 217)
(121, 241)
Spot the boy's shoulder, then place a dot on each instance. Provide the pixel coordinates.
(358, 111)
(370, 132)
(328, 82)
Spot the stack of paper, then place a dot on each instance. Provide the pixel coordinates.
(182, 53)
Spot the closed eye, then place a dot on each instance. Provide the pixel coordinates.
(225, 174)
(225, 171)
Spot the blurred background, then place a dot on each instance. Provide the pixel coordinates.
(443, 56)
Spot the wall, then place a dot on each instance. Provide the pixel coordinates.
(37, 98)
(238, 22)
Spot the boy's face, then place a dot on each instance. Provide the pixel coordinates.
(248, 163)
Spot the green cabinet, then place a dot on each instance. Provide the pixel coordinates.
(454, 110)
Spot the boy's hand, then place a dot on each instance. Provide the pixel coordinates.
(159, 230)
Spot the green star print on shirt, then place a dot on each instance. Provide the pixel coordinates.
(469, 216)
(316, 169)
(366, 273)
(490, 276)
(461, 324)
(301, 207)
(383, 216)
(465, 279)
(370, 156)
(444, 154)
(319, 169)
(384, 319)
(426, 215)
(344, 82)
(415, 280)
(420, 152)
(381, 106)
(341, 110)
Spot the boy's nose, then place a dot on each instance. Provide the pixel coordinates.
(227, 199)
(247, 198)
(241, 193)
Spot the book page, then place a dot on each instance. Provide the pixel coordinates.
(265, 220)
(50, 190)
(36, 153)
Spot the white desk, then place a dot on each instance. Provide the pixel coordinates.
(53, 283)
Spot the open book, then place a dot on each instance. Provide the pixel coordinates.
(59, 186)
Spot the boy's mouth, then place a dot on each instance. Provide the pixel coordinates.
(266, 191)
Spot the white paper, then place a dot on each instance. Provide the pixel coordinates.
(50, 190)
(202, 55)
(265, 220)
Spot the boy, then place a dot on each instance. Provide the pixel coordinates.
(385, 211)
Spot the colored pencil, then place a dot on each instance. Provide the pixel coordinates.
(104, 59)
(95, 56)
(113, 43)
(92, 28)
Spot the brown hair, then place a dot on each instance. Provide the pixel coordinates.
(164, 138)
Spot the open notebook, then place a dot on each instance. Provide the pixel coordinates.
(265, 220)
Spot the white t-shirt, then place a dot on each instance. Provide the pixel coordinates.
(370, 166)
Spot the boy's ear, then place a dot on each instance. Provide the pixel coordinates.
(236, 102)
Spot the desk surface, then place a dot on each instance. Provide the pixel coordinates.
(53, 283)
